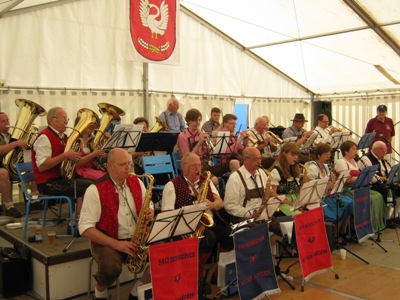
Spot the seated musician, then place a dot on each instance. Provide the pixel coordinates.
(109, 219)
(374, 157)
(245, 189)
(137, 156)
(296, 130)
(172, 117)
(212, 124)
(319, 169)
(6, 145)
(48, 154)
(184, 190)
(287, 177)
(262, 140)
(323, 130)
(347, 162)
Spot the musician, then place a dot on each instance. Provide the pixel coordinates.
(172, 118)
(259, 133)
(87, 167)
(47, 156)
(184, 190)
(382, 125)
(347, 162)
(286, 177)
(296, 130)
(137, 156)
(142, 121)
(109, 218)
(212, 124)
(6, 145)
(323, 130)
(376, 157)
(319, 169)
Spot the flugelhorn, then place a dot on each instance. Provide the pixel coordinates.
(275, 140)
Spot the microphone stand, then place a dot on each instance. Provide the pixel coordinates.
(346, 128)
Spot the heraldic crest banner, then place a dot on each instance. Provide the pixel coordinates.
(153, 27)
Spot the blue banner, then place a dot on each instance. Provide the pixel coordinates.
(254, 265)
(362, 214)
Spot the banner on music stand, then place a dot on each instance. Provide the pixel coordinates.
(254, 265)
(174, 269)
(312, 243)
(362, 214)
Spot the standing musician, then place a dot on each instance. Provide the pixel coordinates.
(376, 157)
(212, 124)
(47, 156)
(384, 128)
(347, 162)
(323, 130)
(6, 145)
(109, 217)
(259, 134)
(286, 177)
(319, 169)
(184, 190)
(172, 118)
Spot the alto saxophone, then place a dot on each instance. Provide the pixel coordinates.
(206, 220)
(267, 191)
(137, 262)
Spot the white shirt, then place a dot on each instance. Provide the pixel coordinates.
(42, 147)
(323, 135)
(235, 192)
(91, 210)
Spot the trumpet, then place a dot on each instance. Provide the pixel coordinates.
(336, 129)
(210, 146)
(275, 140)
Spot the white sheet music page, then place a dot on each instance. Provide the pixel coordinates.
(340, 181)
(225, 258)
(163, 226)
(191, 216)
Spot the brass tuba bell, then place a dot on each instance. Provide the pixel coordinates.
(28, 111)
(159, 126)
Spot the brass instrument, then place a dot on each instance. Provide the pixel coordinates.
(210, 146)
(86, 117)
(303, 176)
(267, 191)
(28, 111)
(159, 126)
(206, 220)
(275, 140)
(336, 129)
(109, 113)
(137, 262)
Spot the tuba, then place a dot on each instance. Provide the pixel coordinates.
(85, 118)
(109, 113)
(137, 262)
(159, 126)
(206, 220)
(28, 111)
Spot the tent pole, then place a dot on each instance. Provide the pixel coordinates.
(146, 101)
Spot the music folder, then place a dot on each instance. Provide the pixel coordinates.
(176, 222)
(365, 177)
(272, 205)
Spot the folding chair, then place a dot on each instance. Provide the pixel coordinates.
(26, 175)
(157, 165)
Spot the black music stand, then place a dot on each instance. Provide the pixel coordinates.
(363, 181)
(157, 141)
(220, 141)
(338, 138)
(176, 223)
(311, 194)
(124, 136)
(393, 179)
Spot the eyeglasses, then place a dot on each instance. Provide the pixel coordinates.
(64, 118)
(326, 122)
(254, 158)
(125, 164)
(231, 123)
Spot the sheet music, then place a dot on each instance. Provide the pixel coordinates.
(225, 258)
(340, 181)
(311, 193)
(125, 136)
(191, 216)
(338, 138)
(310, 140)
(272, 205)
(163, 226)
(220, 141)
(287, 229)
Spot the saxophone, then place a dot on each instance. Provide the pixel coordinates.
(267, 191)
(206, 220)
(137, 262)
(303, 176)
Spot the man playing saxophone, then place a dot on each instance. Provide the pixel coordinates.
(184, 190)
(6, 145)
(110, 230)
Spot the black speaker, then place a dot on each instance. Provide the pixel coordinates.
(321, 107)
(13, 276)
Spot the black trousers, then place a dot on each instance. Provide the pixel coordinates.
(73, 188)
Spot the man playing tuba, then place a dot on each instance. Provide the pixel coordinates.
(6, 145)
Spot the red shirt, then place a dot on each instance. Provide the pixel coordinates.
(386, 128)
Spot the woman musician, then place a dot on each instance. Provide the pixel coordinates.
(319, 169)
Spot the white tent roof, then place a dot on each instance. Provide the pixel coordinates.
(333, 46)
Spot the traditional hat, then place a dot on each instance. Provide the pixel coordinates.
(299, 117)
(381, 107)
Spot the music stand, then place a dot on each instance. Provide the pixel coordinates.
(175, 223)
(366, 140)
(124, 136)
(220, 140)
(363, 181)
(157, 141)
(394, 175)
(311, 194)
(338, 138)
(310, 141)
(284, 141)
(269, 209)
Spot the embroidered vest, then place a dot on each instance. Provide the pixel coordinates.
(184, 195)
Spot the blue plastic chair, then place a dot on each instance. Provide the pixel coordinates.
(161, 164)
(26, 175)
(176, 160)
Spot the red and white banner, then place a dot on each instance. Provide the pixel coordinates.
(154, 29)
(174, 269)
(312, 243)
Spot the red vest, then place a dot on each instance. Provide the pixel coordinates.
(57, 147)
(184, 194)
(109, 200)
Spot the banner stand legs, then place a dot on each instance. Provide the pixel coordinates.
(278, 271)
